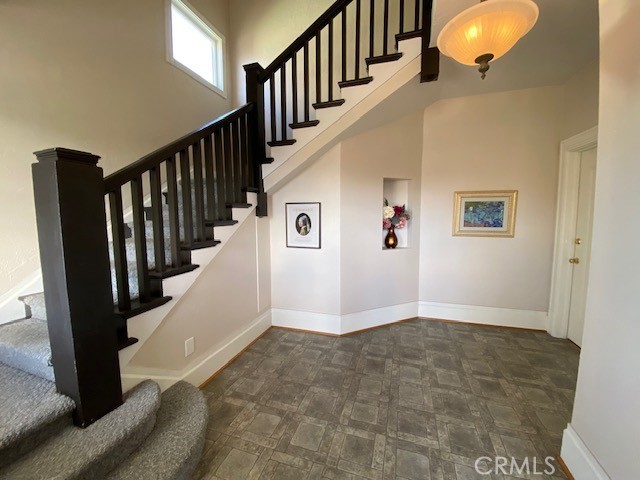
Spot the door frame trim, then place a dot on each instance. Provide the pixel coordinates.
(566, 218)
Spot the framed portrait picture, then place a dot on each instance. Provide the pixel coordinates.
(303, 225)
(485, 214)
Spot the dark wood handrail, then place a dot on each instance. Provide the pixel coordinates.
(310, 33)
(146, 163)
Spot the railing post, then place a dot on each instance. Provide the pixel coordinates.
(72, 232)
(256, 124)
(430, 56)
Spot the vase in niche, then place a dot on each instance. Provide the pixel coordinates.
(391, 240)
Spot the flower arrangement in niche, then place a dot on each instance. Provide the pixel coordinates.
(396, 216)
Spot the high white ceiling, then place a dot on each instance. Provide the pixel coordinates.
(564, 40)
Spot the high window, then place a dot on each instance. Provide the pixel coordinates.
(195, 46)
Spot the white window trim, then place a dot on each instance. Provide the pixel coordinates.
(222, 47)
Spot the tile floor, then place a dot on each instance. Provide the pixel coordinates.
(416, 400)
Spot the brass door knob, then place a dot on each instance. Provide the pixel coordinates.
(574, 260)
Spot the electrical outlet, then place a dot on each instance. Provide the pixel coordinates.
(189, 346)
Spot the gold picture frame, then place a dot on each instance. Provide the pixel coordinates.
(490, 213)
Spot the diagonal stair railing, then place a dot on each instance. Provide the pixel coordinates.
(98, 272)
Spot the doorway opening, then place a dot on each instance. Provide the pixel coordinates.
(576, 188)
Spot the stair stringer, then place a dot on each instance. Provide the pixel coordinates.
(313, 142)
(142, 326)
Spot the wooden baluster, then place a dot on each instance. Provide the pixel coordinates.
(210, 178)
(187, 206)
(199, 192)
(330, 69)
(158, 220)
(237, 168)
(228, 165)
(417, 14)
(140, 240)
(401, 29)
(272, 95)
(221, 194)
(430, 68)
(119, 250)
(344, 44)
(245, 181)
(294, 86)
(174, 214)
(385, 34)
(319, 67)
(283, 99)
(372, 28)
(358, 22)
(306, 83)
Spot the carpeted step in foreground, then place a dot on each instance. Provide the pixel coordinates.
(24, 345)
(175, 446)
(93, 452)
(30, 412)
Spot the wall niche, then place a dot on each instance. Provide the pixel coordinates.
(396, 191)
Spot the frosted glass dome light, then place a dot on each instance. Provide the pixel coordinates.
(487, 31)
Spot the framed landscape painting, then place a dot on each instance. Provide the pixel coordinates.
(485, 214)
(303, 225)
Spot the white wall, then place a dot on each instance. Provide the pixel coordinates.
(605, 415)
(372, 277)
(504, 141)
(225, 302)
(309, 279)
(92, 76)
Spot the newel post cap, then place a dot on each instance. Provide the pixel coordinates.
(65, 154)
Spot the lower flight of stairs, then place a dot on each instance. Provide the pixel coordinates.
(151, 436)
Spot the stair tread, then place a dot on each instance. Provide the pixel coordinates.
(307, 124)
(329, 104)
(35, 302)
(182, 419)
(95, 451)
(24, 345)
(31, 408)
(355, 82)
(391, 57)
(281, 143)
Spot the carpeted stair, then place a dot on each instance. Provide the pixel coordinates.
(24, 345)
(151, 436)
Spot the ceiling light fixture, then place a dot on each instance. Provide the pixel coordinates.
(485, 32)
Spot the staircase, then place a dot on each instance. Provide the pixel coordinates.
(112, 246)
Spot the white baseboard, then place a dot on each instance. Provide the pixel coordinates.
(579, 459)
(311, 321)
(501, 317)
(212, 363)
(343, 324)
(377, 317)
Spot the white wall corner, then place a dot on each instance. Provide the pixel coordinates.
(579, 459)
(378, 317)
(500, 317)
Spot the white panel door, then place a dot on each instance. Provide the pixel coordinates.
(582, 248)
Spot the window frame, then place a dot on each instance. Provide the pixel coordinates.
(220, 62)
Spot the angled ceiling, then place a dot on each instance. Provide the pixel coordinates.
(564, 41)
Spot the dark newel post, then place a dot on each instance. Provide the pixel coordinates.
(255, 95)
(430, 56)
(72, 232)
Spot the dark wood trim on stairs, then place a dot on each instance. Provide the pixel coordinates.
(355, 82)
(281, 143)
(391, 57)
(221, 223)
(138, 307)
(77, 281)
(200, 245)
(172, 272)
(331, 104)
(310, 123)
